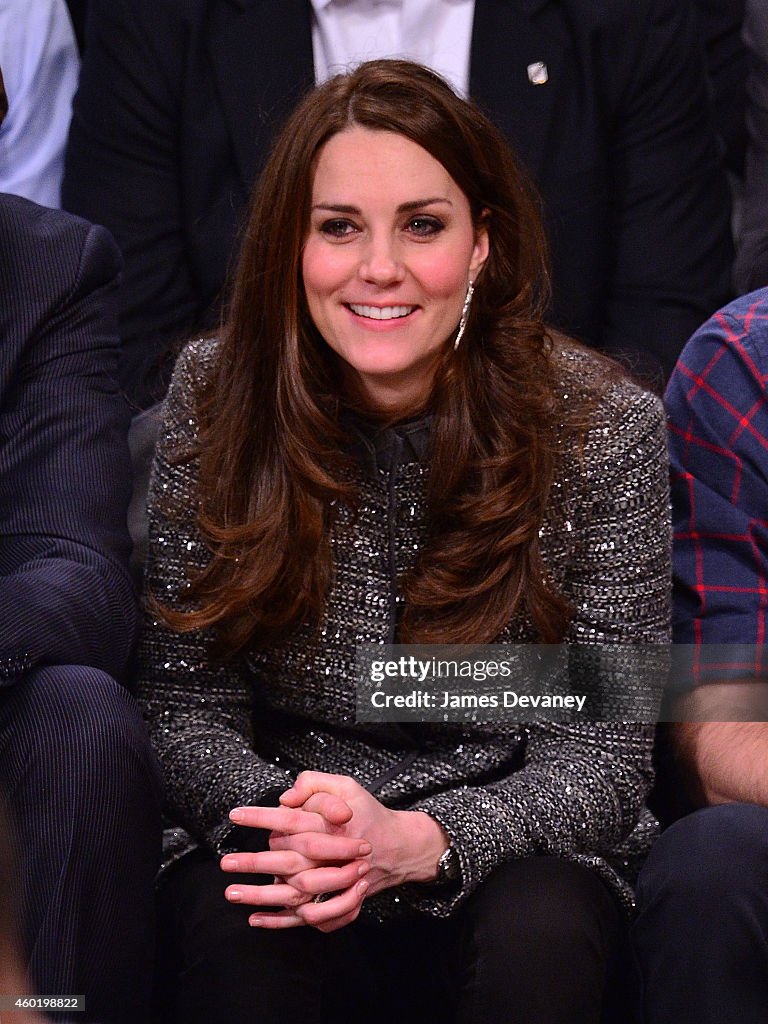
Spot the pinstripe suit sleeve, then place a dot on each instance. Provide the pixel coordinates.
(65, 593)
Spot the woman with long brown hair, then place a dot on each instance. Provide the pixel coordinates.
(387, 445)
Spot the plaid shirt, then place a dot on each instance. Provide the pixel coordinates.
(718, 441)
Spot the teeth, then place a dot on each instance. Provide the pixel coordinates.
(381, 312)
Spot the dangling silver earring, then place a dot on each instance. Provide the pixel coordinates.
(464, 315)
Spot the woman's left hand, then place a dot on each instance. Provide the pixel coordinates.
(405, 846)
(323, 861)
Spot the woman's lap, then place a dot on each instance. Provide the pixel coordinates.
(530, 945)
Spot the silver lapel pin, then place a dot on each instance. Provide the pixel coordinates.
(537, 73)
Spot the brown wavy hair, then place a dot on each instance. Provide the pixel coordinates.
(273, 453)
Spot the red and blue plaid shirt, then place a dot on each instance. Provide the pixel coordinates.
(718, 441)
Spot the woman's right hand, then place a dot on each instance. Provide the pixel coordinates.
(320, 861)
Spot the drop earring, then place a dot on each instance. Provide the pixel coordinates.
(464, 315)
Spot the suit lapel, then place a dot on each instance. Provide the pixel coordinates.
(261, 52)
(508, 37)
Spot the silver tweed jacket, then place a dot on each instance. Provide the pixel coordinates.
(238, 734)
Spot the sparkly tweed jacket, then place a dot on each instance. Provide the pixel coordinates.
(238, 734)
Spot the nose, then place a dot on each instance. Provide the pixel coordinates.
(381, 264)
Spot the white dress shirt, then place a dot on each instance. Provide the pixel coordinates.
(437, 33)
(40, 64)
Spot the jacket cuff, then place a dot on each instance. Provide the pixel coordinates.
(484, 836)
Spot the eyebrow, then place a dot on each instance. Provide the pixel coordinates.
(412, 204)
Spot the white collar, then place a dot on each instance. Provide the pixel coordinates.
(320, 5)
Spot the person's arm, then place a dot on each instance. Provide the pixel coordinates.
(199, 713)
(123, 169)
(582, 787)
(65, 476)
(751, 270)
(40, 65)
(721, 23)
(727, 762)
(718, 449)
(670, 263)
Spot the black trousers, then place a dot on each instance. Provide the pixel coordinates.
(82, 789)
(701, 936)
(532, 946)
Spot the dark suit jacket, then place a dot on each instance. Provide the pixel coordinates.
(752, 262)
(720, 26)
(78, 11)
(65, 594)
(179, 99)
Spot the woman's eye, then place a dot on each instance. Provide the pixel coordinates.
(338, 228)
(425, 226)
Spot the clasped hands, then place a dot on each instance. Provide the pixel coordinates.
(330, 837)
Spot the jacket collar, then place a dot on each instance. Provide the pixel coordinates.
(386, 448)
(261, 52)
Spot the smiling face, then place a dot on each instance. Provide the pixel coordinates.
(390, 251)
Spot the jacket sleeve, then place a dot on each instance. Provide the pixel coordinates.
(670, 264)
(751, 269)
(123, 170)
(199, 713)
(582, 786)
(717, 441)
(65, 475)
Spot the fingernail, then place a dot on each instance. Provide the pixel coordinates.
(362, 886)
(365, 849)
(236, 814)
(234, 895)
(230, 864)
(255, 922)
(363, 869)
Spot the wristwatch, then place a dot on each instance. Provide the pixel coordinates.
(448, 867)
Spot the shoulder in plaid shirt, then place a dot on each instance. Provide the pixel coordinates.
(718, 440)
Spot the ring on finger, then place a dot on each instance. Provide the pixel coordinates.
(323, 896)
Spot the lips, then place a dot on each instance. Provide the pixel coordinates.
(380, 312)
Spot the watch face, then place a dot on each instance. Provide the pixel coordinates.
(448, 866)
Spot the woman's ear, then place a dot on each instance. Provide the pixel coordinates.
(482, 245)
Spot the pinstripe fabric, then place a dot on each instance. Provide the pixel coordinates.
(75, 763)
(65, 594)
(718, 419)
(83, 782)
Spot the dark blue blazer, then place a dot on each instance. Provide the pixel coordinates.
(179, 99)
(65, 593)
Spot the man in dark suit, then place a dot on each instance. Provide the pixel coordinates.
(76, 766)
(604, 102)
